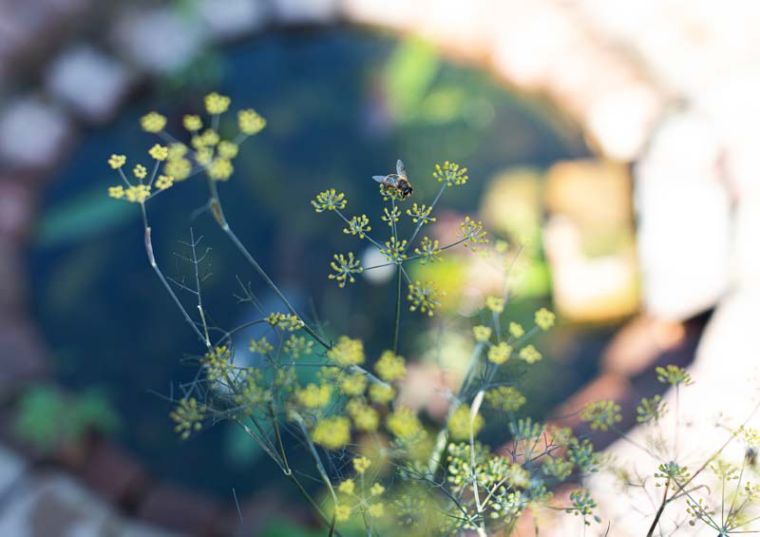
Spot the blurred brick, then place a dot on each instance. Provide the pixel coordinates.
(16, 208)
(107, 82)
(12, 468)
(55, 505)
(139, 529)
(33, 134)
(22, 357)
(305, 11)
(160, 41)
(639, 344)
(12, 279)
(114, 474)
(230, 19)
(684, 226)
(181, 510)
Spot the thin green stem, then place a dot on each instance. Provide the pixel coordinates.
(432, 206)
(397, 317)
(154, 265)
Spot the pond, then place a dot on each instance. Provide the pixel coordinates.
(341, 105)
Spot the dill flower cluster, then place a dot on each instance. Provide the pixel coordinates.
(424, 297)
(460, 424)
(188, 415)
(332, 432)
(347, 352)
(207, 151)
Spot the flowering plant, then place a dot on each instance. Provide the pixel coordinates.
(383, 467)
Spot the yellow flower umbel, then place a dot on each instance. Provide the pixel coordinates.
(498, 354)
(381, 393)
(459, 424)
(423, 297)
(390, 367)
(192, 122)
(347, 352)
(516, 330)
(164, 181)
(137, 193)
(117, 161)
(342, 512)
(332, 433)
(506, 398)
(216, 104)
(314, 396)
(153, 122)
(353, 383)
(250, 122)
(530, 354)
(188, 416)
(116, 192)
(347, 487)
(544, 319)
(364, 416)
(159, 152)
(404, 424)
(362, 464)
(482, 333)
(495, 304)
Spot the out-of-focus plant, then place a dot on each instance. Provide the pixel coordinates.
(684, 492)
(384, 468)
(49, 419)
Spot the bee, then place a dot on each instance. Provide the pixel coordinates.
(397, 183)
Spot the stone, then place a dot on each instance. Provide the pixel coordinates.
(12, 468)
(139, 529)
(305, 11)
(16, 209)
(91, 83)
(33, 133)
(22, 357)
(181, 510)
(230, 19)
(590, 210)
(639, 343)
(160, 41)
(55, 504)
(114, 474)
(684, 219)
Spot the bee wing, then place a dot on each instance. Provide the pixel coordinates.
(379, 178)
(400, 168)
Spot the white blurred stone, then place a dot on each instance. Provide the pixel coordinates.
(33, 134)
(12, 467)
(745, 262)
(55, 505)
(305, 11)
(534, 27)
(161, 40)
(396, 14)
(135, 529)
(621, 120)
(684, 220)
(93, 84)
(228, 19)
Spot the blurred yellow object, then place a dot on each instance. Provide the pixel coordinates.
(589, 241)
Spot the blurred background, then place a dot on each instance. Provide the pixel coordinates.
(612, 141)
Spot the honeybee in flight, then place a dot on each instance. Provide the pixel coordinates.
(396, 182)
